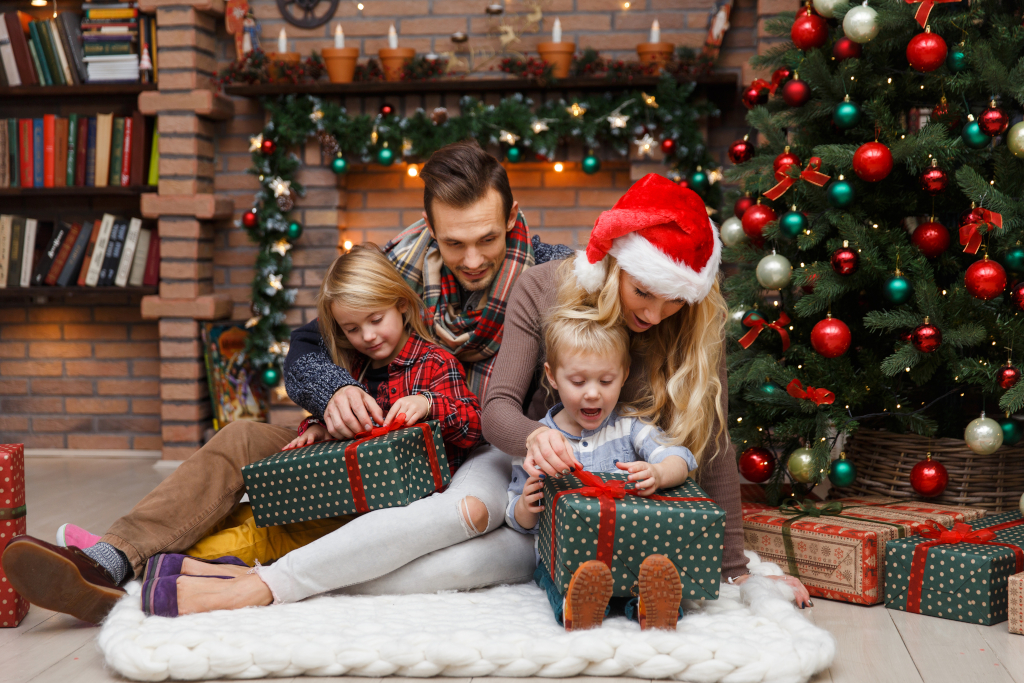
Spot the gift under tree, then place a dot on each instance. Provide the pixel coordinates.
(879, 236)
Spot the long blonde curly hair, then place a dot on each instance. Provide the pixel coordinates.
(681, 356)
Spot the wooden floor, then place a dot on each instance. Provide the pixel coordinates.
(876, 645)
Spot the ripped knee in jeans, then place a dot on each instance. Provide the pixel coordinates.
(474, 516)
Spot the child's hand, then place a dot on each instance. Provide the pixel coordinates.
(530, 504)
(649, 477)
(415, 407)
(312, 434)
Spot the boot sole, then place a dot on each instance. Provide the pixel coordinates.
(662, 592)
(53, 582)
(589, 595)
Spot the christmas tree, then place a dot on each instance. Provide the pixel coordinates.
(878, 235)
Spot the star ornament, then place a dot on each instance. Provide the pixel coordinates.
(252, 322)
(644, 145)
(281, 247)
(649, 100)
(275, 349)
(618, 120)
(508, 138)
(577, 110)
(280, 187)
(274, 280)
(255, 142)
(539, 126)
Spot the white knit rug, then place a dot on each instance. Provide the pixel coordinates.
(747, 636)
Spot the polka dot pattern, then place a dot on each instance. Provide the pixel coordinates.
(313, 483)
(13, 607)
(690, 533)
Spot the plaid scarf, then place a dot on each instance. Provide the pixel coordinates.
(470, 329)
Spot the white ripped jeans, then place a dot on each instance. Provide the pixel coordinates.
(424, 547)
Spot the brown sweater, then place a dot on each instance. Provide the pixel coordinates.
(515, 370)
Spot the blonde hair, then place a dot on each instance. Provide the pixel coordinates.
(680, 357)
(568, 332)
(364, 280)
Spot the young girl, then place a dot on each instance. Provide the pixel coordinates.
(587, 364)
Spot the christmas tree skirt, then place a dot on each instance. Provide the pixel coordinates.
(751, 634)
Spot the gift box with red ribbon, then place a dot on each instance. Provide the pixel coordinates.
(597, 516)
(960, 572)
(837, 549)
(13, 607)
(384, 467)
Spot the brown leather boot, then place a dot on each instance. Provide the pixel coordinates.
(587, 598)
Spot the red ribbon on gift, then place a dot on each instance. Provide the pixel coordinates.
(971, 233)
(925, 9)
(796, 389)
(960, 533)
(757, 324)
(810, 174)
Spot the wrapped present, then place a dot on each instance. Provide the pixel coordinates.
(13, 607)
(959, 573)
(837, 548)
(1016, 607)
(594, 516)
(384, 467)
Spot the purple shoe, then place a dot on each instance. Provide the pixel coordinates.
(160, 595)
(169, 564)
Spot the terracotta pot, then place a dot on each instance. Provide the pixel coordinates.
(340, 63)
(559, 56)
(279, 60)
(393, 59)
(655, 53)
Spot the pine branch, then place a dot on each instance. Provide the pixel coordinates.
(970, 334)
(906, 356)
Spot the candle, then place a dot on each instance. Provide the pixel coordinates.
(392, 37)
(556, 31)
(246, 43)
(339, 37)
(655, 32)
(282, 42)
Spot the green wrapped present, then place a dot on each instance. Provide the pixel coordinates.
(959, 573)
(382, 468)
(593, 516)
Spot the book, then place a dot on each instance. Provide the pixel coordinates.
(151, 276)
(99, 251)
(28, 251)
(12, 147)
(17, 251)
(60, 151)
(90, 159)
(116, 151)
(36, 63)
(81, 151)
(44, 60)
(138, 261)
(58, 48)
(83, 270)
(50, 52)
(126, 153)
(69, 170)
(120, 13)
(69, 22)
(73, 264)
(121, 47)
(49, 132)
(115, 246)
(25, 145)
(19, 46)
(5, 157)
(7, 59)
(104, 128)
(37, 153)
(137, 149)
(131, 241)
(5, 248)
(153, 177)
(50, 251)
(63, 252)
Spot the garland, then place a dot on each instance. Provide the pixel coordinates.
(515, 125)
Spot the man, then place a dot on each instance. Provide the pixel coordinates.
(463, 258)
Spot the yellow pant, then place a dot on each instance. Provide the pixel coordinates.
(238, 535)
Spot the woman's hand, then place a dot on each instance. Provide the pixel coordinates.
(350, 411)
(803, 598)
(548, 452)
(415, 407)
(312, 434)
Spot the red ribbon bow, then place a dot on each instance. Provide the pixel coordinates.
(396, 424)
(786, 181)
(925, 9)
(757, 324)
(960, 533)
(983, 221)
(796, 389)
(761, 83)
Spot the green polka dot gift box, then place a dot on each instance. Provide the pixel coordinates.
(383, 468)
(594, 516)
(959, 573)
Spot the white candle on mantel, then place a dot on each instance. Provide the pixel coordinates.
(246, 43)
(392, 37)
(282, 42)
(556, 31)
(655, 32)
(339, 37)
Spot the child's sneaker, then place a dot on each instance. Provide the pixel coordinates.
(590, 589)
(661, 591)
(70, 535)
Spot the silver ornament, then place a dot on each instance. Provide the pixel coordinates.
(774, 271)
(861, 24)
(1015, 139)
(1021, 504)
(983, 435)
(736, 314)
(731, 232)
(826, 8)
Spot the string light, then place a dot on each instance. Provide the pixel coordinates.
(559, 167)
(739, 419)
(360, 6)
(347, 245)
(625, 5)
(413, 171)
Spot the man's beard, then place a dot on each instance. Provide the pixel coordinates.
(476, 285)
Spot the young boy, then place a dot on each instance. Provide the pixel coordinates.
(587, 364)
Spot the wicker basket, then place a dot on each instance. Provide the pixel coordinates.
(883, 459)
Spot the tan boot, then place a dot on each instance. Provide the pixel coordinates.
(590, 589)
(661, 591)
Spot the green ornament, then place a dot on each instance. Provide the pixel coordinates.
(793, 223)
(897, 290)
(973, 136)
(956, 61)
(514, 154)
(840, 194)
(843, 472)
(801, 466)
(294, 231)
(591, 164)
(1014, 260)
(386, 157)
(270, 376)
(769, 389)
(846, 114)
(339, 165)
(699, 182)
(1012, 431)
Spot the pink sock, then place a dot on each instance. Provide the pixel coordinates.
(70, 535)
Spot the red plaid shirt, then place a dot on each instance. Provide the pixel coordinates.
(427, 369)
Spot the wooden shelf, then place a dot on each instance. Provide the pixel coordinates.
(52, 91)
(32, 292)
(76, 191)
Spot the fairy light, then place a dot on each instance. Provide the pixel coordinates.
(889, 81)
(347, 245)
(625, 5)
(360, 6)
(739, 419)
(413, 171)
(559, 167)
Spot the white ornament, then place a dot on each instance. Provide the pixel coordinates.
(1015, 139)
(774, 271)
(644, 145)
(616, 119)
(540, 125)
(281, 247)
(252, 322)
(983, 435)
(861, 24)
(255, 142)
(316, 116)
(280, 186)
(826, 8)
(274, 280)
(1021, 504)
(507, 137)
(731, 231)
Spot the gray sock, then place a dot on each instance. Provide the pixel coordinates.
(111, 559)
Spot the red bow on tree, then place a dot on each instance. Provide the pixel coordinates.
(756, 323)
(810, 174)
(761, 83)
(925, 9)
(982, 222)
(796, 389)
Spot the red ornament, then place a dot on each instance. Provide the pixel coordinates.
(741, 206)
(268, 147)
(985, 279)
(755, 218)
(812, 282)
(844, 260)
(668, 146)
(683, 182)
(1017, 295)
(386, 109)
(1008, 376)
(931, 238)
(926, 51)
(796, 93)
(929, 478)
(831, 337)
(993, 121)
(780, 76)
(809, 31)
(755, 95)
(249, 219)
(785, 160)
(934, 180)
(926, 338)
(941, 113)
(741, 151)
(905, 336)
(757, 464)
(845, 48)
(872, 162)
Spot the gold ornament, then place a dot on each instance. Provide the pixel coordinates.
(275, 349)
(281, 247)
(644, 145)
(316, 116)
(577, 110)
(280, 187)
(373, 135)
(255, 142)
(274, 280)
(649, 100)
(252, 322)
(507, 137)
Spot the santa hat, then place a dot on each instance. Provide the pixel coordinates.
(660, 234)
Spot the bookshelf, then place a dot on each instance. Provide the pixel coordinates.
(76, 91)
(87, 294)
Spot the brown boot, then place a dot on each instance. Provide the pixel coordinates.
(661, 591)
(590, 589)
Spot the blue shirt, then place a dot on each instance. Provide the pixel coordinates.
(618, 439)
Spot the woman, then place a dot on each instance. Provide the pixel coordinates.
(651, 264)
